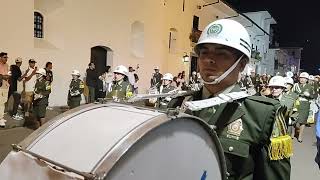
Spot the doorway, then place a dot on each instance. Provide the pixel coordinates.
(101, 56)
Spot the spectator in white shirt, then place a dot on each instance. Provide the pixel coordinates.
(29, 82)
(131, 76)
(107, 79)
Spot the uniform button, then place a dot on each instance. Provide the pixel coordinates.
(230, 148)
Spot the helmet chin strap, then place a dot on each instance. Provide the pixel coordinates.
(218, 79)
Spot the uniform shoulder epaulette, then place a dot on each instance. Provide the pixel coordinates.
(263, 100)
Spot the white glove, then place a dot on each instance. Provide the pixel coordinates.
(168, 99)
(75, 93)
(38, 96)
(306, 93)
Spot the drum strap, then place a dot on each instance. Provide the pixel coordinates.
(220, 99)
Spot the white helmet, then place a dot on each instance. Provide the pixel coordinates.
(42, 72)
(229, 33)
(304, 75)
(289, 74)
(121, 70)
(311, 77)
(226, 32)
(277, 81)
(168, 76)
(156, 68)
(289, 80)
(75, 72)
(18, 60)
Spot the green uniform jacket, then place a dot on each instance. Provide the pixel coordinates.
(304, 107)
(121, 90)
(76, 88)
(290, 100)
(245, 128)
(42, 87)
(163, 102)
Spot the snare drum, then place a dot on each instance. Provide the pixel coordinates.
(120, 142)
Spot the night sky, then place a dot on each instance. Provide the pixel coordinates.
(298, 25)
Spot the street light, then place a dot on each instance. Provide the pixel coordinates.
(186, 58)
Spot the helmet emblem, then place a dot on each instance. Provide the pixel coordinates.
(215, 29)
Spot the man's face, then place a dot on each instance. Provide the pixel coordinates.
(19, 64)
(156, 70)
(215, 59)
(50, 66)
(303, 80)
(253, 74)
(289, 87)
(118, 76)
(130, 69)
(75, 77)
(276, 91)
(4, 59)
(32, 64)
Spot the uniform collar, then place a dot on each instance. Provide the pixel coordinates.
(206, 94)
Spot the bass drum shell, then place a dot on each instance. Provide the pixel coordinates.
(122, 142)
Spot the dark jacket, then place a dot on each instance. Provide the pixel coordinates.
(15, 75)
(49, 76)
(92, 78)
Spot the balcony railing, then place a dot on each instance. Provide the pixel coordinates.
(256, 55)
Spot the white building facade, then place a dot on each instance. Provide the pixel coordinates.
(71, 33)
(258, 26)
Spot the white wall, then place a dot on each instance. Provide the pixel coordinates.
(72, 27)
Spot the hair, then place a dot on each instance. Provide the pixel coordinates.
(90, 63)
(3, 54)
(136, 77)
(175, 78)
(48, 63)
(108, 68)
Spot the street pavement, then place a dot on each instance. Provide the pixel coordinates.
(302, 162)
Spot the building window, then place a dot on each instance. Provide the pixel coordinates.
(38, 25)
(137, 39)
(173, 40)
(195, 23)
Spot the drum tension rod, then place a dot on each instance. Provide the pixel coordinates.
(87, 176)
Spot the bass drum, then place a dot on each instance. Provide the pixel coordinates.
(120, 142)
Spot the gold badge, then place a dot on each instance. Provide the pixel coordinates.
(234, 129)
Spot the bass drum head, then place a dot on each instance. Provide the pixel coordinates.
(180, 149)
